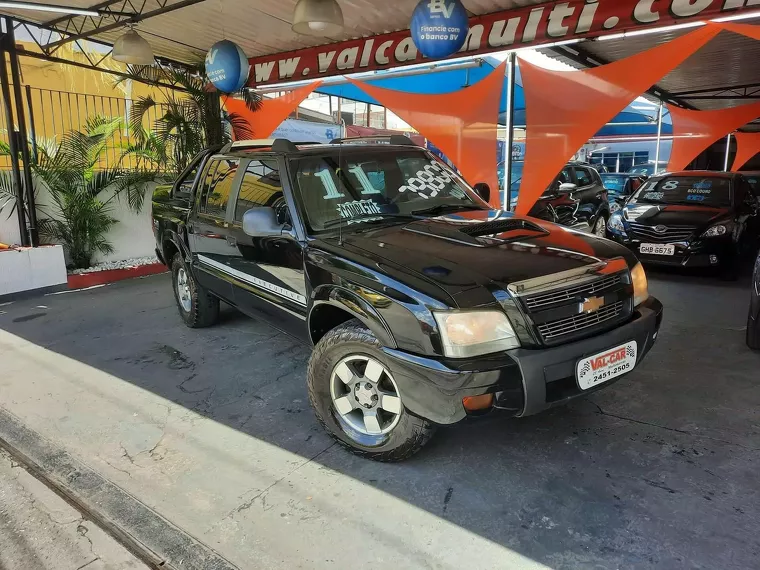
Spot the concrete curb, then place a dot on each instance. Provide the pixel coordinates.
(141, 530)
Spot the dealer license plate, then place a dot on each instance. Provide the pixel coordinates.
(606, 365)
(657, 248)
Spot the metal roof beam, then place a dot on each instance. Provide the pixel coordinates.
(716, 90)
(577, 54)
(137, 17)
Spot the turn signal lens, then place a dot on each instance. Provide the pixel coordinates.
(640, 285)
(475, 403)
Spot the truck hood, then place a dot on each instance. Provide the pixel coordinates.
(482, 248)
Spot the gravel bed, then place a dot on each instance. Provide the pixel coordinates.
(123, 264)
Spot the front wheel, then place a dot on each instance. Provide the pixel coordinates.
(600, 228)
(357, 400)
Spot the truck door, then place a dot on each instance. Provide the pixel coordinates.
(208, 229)
(268, 271)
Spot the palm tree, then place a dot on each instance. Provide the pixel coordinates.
(191, 118)
(74, 173)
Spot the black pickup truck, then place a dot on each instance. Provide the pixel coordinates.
(423, 304)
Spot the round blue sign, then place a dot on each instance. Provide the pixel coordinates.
(439, 27)
(227, 67)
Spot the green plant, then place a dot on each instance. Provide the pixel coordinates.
(79, 216)
(191, 117)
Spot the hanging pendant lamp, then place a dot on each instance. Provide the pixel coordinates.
(132, 48)
(318, 18)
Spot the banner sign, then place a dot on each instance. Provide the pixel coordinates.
(529, 26)
(439, 27)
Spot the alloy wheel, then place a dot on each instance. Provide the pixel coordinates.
(365, 396)
(183, 290)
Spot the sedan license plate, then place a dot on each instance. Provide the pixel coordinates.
(606, 365)
(657, 248)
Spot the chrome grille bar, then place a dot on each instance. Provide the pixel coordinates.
(536, 302)
(550, 331)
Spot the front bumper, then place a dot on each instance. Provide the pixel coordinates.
(709, 252)
(524, 381)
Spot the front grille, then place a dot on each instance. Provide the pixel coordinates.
(671, 233)
(543, 300)
(557, 315)
(551, 331)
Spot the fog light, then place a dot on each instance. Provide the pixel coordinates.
(714, 259)
(475, 403)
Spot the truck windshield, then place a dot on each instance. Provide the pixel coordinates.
(686, 190)
(364, 186)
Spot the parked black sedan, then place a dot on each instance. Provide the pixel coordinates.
(690, 219)
(576, 199)
(753, 320)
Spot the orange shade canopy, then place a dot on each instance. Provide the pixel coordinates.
(463, 124)
(565, 109)
(273, 111)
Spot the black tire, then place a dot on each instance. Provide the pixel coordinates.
(753, 333)
(410, 434)
(204, 307)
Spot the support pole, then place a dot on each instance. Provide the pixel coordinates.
(728, 152)
(659, 140)
(10, 40)
(32, 129)
(510, 138)
(15, 171)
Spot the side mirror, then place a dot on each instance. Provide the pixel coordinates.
(568, 187)
(261, 222)
(483, 190)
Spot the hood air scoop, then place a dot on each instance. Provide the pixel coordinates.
(500, 227)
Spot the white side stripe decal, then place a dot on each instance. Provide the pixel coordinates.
(271, 287)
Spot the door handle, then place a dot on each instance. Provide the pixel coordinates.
(231, 241)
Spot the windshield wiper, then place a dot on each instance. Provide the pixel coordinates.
(365, 217)
(444, 208)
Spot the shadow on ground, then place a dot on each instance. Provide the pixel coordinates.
(659, 471)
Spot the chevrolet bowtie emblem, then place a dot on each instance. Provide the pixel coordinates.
(591, 305)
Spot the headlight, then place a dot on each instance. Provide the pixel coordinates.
(715, 231)
(472, 333)
(615, 223)
(640, 285)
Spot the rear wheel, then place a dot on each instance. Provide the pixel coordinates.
(197, 307)
(357, 400)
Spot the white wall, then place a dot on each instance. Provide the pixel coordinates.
(31, 268)
(131, 237)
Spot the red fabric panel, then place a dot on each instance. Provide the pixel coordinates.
(463, 124)
(565, 109)
(747, 146)
(694, 131)
(273, 110)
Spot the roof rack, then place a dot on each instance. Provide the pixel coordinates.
(389, 139)
(277, 145)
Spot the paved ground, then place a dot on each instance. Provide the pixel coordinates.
(41, 531)
(212, 429)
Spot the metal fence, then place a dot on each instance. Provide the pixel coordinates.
(50, 114)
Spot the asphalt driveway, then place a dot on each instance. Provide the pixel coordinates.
(212, 430)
